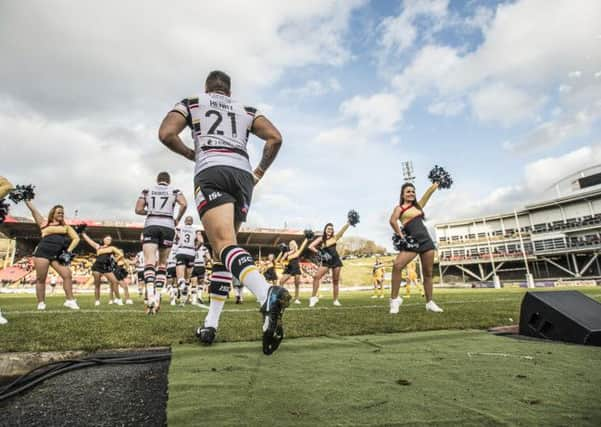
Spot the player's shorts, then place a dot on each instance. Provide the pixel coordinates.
(171, 273)
(218, 185)
(186, 260)
(198, 272)
(159, 235)
(140, 274)
(50, 247)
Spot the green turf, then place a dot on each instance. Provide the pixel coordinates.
(116, 327)
(438, 377)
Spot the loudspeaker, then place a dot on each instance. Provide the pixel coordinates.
(561, 315)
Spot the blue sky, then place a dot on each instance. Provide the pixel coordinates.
(505, 95)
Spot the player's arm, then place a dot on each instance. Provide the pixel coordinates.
(173, 124)
(278, 258)
(183, 205)
(314, 244)
(265, 130)
(74, 238)
(141, 204)
(37, 216)
(199, 240)
(120, 256)
(394, 220)
(428, 194)
(89, 241)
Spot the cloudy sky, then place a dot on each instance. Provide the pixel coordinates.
(505, 95)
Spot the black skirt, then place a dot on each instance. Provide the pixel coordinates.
(417, 229)
(334, 260)
(293, 268)
(50, 247)
(270, 274)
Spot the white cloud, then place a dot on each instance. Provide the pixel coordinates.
(554, 132)
(501, 103)
(313, 88)
(449, 108)
(399, 32)
(374, 114)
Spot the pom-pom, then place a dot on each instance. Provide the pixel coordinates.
(80, 228)
(324, 256)
(22, 192)
(404, 243)
(3, 210)
(65, 257)
(309, 234)
(120, 272)
(441, 176)
(353, 217)
(283, 247)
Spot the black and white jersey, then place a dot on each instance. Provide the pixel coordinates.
(220, 129)
(186, 242)
(201, 255)
(140, 261)
(171, 261)
(160, 205)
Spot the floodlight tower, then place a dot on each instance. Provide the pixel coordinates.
(408, 173)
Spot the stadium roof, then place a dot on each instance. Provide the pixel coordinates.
(24, 228)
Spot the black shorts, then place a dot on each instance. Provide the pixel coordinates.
(187, 260)
(50, 247)
(218, 185)
(171, 273)
(198, 272)
(159, 235)
(140, 275)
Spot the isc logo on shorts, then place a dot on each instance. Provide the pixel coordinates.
(214, 195)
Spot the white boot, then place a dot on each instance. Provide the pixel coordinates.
(3, 320)
(41, 306)
(431, 306)
(72, 304)
(313, 301)
(395, 305)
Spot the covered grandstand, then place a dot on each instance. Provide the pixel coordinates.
(556, 238)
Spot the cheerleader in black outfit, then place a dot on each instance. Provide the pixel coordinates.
(416, 241)
(325, 247)
(270, 275)
(54, 250)
(293, 267)
(107, 257)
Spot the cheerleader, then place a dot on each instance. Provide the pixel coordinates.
(5, 187)
(293, 268)
(54, 250)
(412, 239)
(106, 257)
(270, 275)
(325, 247)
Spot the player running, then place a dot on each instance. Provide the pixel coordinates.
(188, 242)
(223, 187)
(198, 272)
(157, 203)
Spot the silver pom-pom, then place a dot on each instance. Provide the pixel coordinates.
(353, 217)
(441, 176)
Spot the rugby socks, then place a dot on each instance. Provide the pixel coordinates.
(161, 278)
(149, 278)
(219, 288)
(242, 266)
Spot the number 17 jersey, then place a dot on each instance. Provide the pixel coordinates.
(220, 129)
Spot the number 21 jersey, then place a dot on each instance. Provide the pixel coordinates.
(220, 129)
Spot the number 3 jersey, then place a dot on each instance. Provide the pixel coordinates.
(160, 205)
(220, 129)
(186, 240)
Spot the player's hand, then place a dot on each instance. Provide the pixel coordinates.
(258, 174)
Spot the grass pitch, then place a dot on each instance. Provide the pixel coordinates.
(437, 377)
(109, 326)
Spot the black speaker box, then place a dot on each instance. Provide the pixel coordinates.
(561, 315)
